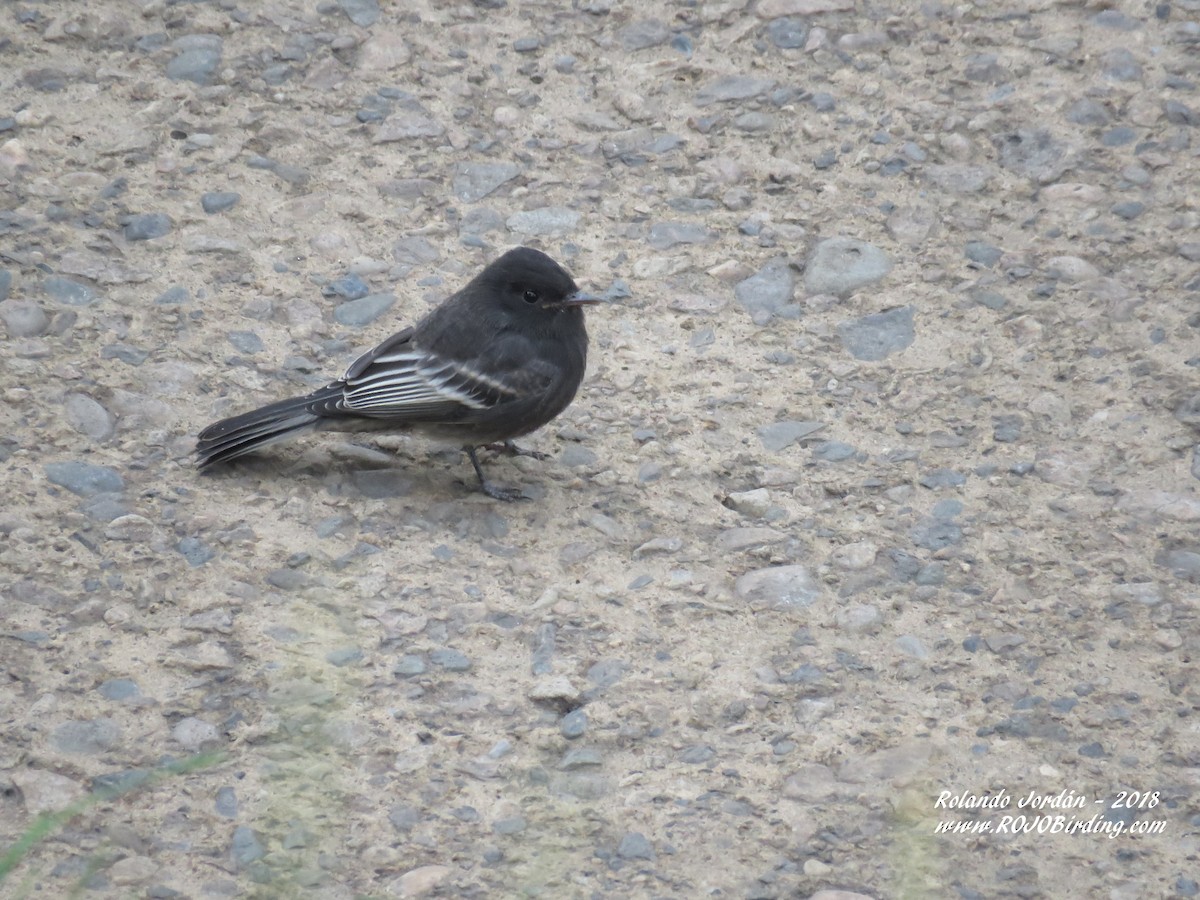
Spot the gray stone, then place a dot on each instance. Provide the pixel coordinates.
(357, 313)
(665, 235)
(910, 645)
(69, 292)
(788, 33)
(348, 287)
(878, 335)
(1086, 111)
(85, 479)
(226, 803)
(87, 416)
(450, 660)
(841, 265)
(5, 284)
(731, 88)
(363, 13)
(147, 226)
(934, 534)
(415, 250)
(643, 34)
(219, 201)
(196, 65)
(119, 689)
(1121, 65)
(834, 451)
(548, 221)
(943, 478)
(245, 847)
(344, 656)
(474, 181)
(409, 665)
(635, 846)
(23, 317)
(779, 435)
(245, 341)
(90, 736)
(195, 551)
(767, 291)
(778, 588)
(1195, 468)
(193, 734)
(573, 724)
(1033, 153)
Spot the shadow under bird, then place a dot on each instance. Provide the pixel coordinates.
(496, 360)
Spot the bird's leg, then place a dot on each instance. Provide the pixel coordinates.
(494, 491)
(511, 449)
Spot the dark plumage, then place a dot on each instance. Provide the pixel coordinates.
(498, 359)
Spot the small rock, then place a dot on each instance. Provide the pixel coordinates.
(91, 736)
(877, 336)
(363, 13)
(245, 847)
(219, 201)
(45, 791)
(420, 882)
(665, 235)
(72, 293)
(474, 181)
(643, 34)
(548, 221)
(767, 291)
(193, 734)
(148, 226)
(635, 846)
(88, 417)
(750, 503)
(85, 479)
(778, 588)
(841, 265)
(364, 311)
(23, 318)
(731, 88)
(780, 435)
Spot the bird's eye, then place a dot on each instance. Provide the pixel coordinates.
(531, 297)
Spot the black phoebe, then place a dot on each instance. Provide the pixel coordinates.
(498, 359)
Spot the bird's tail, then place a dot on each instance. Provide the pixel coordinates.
(237, 435)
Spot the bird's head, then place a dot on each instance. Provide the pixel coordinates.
(528, 280)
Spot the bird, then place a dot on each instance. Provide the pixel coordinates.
(495, 361)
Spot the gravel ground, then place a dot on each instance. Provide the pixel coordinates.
(880, 495)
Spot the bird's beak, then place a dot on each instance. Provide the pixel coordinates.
(579, 298)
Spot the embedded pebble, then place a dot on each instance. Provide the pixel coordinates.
(45, 792)
(70, 292)
(765, 293)
(549, 221)
(245, 846)
(197, 57)
(23, 318)
(842, 265)
(474, 181)
(730, 88)
(781, 435)
(364, 311)
(87, 737)
(219, 201)
(193, 734)
(879, 335)
(88, 417)
(779, 588)
(85, 479)
(148, 226)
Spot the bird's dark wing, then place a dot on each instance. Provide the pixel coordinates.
(401, 379)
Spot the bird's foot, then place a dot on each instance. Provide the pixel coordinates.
(510, 449)
(501, 493)
(492, 490)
